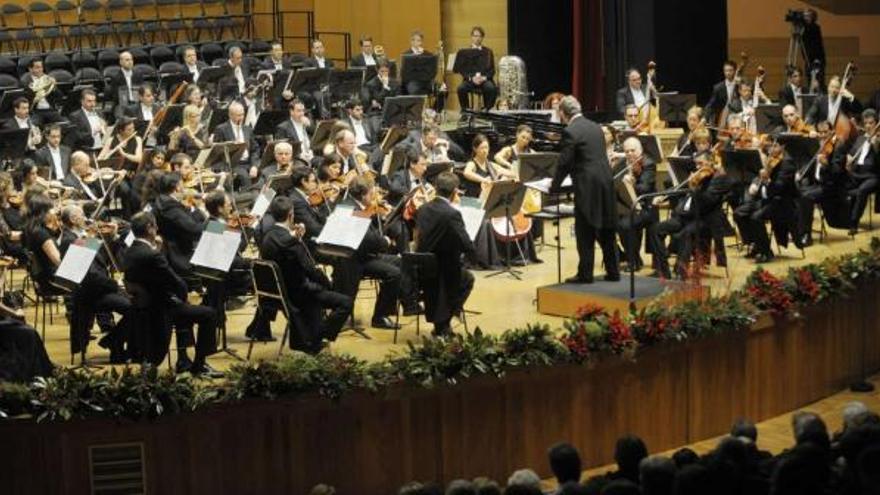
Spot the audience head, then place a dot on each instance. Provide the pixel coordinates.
(809, 427)
(851, 411)
(524, 478)
(685, 457)
(461, 487)
(692, 479)
(804, 470)
(657, 474)
(572, 488)
(744, 428)
(565, 462)
(322, 489)
(620, 487)
(485, 486)
(628, 453)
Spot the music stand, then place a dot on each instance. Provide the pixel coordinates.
(535, 166)
(281, 83)
(280, 183)
(268, 121)
(220, 115)
(396, 161)
(651, 146)
(212, 75)
(420, 68)
(741, 165)
(168, 80)
(344, 84)
(504, 198)
(322, 134)
(674, 106)
(394, 135)
(680, 168)
(173, 119)
(768, 118)
(310, 80)
(11, 95)
(405, 111)
(13, 145)
(807, 100)
(801, 148)
(469, 61)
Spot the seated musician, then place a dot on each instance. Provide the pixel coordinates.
(127, 146)
(744, 105)
(318, 59)
(633, 94)
(146, 107)
(481, 79)
(429, 142)
(193, 96)
(409, 184)
(89, 128)
(194, 181)
(192, 65)
(330, 179)
(276, 60)
(366, 58)
(770, 196)
(297, 129)
(44, 102)
(612, 147)
(508, 156)
(551, 102)
(829, 105)
(687, 220)
(237, 282)
(823, 182)
(366, 132)
(54, 156)
(233, 87)
(862, 166)
(354, 161)
(147, 268)
(685, 144)
(307, 286)
(192, 136)
(83, 178)
(11, 219)
(21, 119)
(639, 172)
(412, 87)
(305, 190)
(441, 231)
(634, 122)
(179, 224)
(235, 130)
(98, 296)
(123, 85)
(790, 94)
(372, 259)
(380, 87)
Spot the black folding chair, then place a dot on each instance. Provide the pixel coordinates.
(270, 291)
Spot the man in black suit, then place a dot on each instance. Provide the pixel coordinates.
(312, 218)
(80, 168)
(793, 89)
(380, 87)
(632, 94)
(722, 92)
(862, 165)
(830, 105)
(366, 58)
(824, 183)
(123, 84)
(583, 157)
(318, 60)
(191, 63)
(179, 225)
(403, 180)
(640, 178)
(89, 128)
(233, 86)
(441, 231)
(21, 119)
(414, 87)
(297, 129)
(146, 107)
(479, 79)
(307, 286)
(44, 108)
(147, 269)
(235, 130)
(366, 132)
(276, 60)
(54, 156)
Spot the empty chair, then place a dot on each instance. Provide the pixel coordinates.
(44, 23)
(240, 20)
(83, 59)
(67, 17)
(7, 42)
(23, 63)
(89, 76)
(139, 55)
(62, 75)
(161, 54)
(8, 81)
(214, 11)
(147, 71)
(145, 12)
(7, 66)
(259, 47)
(126, 30)
(107, 58)
(17, 22)
(93, 15)
(211, 52)
(171, 68)
(57, 60)
(173, 22)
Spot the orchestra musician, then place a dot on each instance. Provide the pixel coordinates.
(694, 121)
(413, 87)
(344, 146)
(54, 156)
(551, 102)
(743, 104)
(191, 63)
(823, 183)
(722, 92)
(481, 79)
(192, 136)
(367, 57)
(179, 224)
(148, 269)
(297, 129)
(236, 131)
(146, 107)
(862, 165)
(633, 94)
(89, 128)
(318, 59)
(790, 94)
(282, 151)
(633, 118)
(311, 216)
(639, 172)
(276, 60)
(307, 286)
(441, 231)
(429, 142)
(126, 146)
(46, 97)
(21, 119)
(380, 87)
(82, 178)
(365, 130)
(829, 105)
(508, 156)
(123, 84)
(583, 157)
(234, 86)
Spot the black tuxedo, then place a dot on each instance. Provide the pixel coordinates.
(786, 95)
(286, 130)
(375, 91)
(147, 268)
(308, 289)
(200, 66)
(370, 130)
(71, 180)
(224, 133)
(488, 88)
(583, 157)
(863, 177)
(227, 87)
(44, 158)
(312, 62)
(80, 136)
(623, 98)
(304, 213)
(120, 89)
(442, 232)
(630, 227)
(269, 64)
(718, 101)
(180, 230)
(819, 111)
(136, 112)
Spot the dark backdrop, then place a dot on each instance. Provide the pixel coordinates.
(539, 32)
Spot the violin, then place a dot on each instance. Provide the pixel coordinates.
(237, 220)
(325, 193)
(700, 175)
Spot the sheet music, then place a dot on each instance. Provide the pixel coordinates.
(76, 262)
(216, 250)
(261, 204)
(129, 239)
(543, 185)
(344, 229)
(202, 158)
(472, 213)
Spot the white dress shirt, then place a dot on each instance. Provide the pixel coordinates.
(360, 134)
(194, 70)
(55, 153)
(127, 75)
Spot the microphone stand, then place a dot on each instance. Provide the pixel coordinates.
(631, 248)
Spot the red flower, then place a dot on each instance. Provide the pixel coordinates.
(589, 311)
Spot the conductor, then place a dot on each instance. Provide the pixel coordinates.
(583, 156)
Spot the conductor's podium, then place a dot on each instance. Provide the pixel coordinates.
(566, 299)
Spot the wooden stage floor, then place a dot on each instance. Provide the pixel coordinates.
(501, 301)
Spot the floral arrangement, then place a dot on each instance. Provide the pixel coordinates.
(593, 334)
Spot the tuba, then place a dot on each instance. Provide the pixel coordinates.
(513, 86)
(42, 87)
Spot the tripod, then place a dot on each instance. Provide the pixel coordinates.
(796, 46)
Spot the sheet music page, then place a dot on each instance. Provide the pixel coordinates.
(216, 250)
(472, 213)
(543, 185)
(344, 229)
(261, 204)
(76, 262)
(202, 158)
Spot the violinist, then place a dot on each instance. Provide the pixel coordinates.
(192, 136)
(739, 138)
(410, 184)
(862, 165)
(305, 193)
(638, 173)
(345, 146)
(372, 259)
(283, 153)
(11, 219)
(794, 124)
(54, 156)
(828, 106)
(508, 156)
(633, 94)
(685, 144)
(330, 178)
(823, 181)
(179, 224)
(612, 149)
(83, 178)
(297, 129)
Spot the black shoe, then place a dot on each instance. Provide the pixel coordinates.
(612, 277)
(442, 332)
(763, 257)
(578, 280)
(205, 370)
(805, 241)
(413, 310)
(183, 365)
(384, 322)
(536, 260)
(106, 342)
